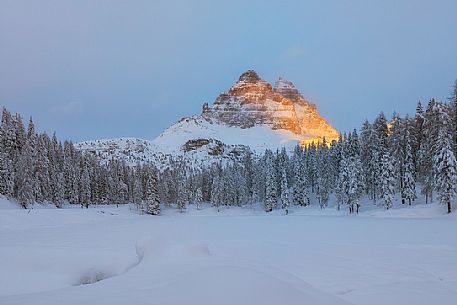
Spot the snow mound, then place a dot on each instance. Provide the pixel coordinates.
(94, 275)
(150, 249)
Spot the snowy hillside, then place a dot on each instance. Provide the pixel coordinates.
(194, 152)
(258, 138)
(107, 256)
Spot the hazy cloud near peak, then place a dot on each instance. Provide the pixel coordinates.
(74, 108)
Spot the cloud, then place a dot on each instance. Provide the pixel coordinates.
(73, 108)
(292, 52)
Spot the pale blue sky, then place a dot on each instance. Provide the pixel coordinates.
(101, 69)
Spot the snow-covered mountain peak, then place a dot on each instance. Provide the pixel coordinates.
(251, 113)
(250, 76)
(287, 89)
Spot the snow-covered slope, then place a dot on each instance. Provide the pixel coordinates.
(251, 114)
(258, 137)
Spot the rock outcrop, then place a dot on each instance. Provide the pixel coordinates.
(253, 101)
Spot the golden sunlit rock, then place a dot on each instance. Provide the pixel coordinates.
(252, 101)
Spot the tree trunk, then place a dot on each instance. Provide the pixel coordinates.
(449, 207)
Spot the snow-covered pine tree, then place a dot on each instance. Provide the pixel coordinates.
(408, 187)
(42, 168)
(323, 175)
(137, 195)
(183, 197)
(20, 136)
(380, 147)
(270, 184)
(356, 186)
(71, 172)
(59, 190)
(366, 156)
(56, 172)
(341, 188)
(248, 173)
(396, 146)
(84, 185)
(230, 186)
(284, 192)
(454, 116)
(299, 188)
(6, 157)
(427, 149)
(216, 192)
(24, 177)
(335, 155)
(152, 196)
(4, 171)
(387, 180)
(417, 139)
(311, 166)
(198, 197)
(444, 162)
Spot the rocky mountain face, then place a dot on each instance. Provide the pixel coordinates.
(251, 115)
(252, 101)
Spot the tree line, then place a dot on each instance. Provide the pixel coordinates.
(382, 160)
(37, 168)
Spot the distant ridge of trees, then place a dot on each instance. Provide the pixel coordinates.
(382, 160)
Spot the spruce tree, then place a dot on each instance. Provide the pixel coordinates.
(408, 189)
(454, 116)
(152, 197)
(24, 180)
(300, 191)
(445, 175)
(182, 198)
(84, 186)
(58, 190)
(216, 192)
(198, 198)
(341, 188)
(427, 150)
(323, 175)
(387, 180)
(284, 192)
(417, 140)
(270, 184)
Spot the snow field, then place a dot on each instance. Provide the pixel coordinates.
(108, 255)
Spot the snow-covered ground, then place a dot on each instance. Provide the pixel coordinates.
(49, 256)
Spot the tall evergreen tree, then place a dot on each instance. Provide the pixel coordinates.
(24, 181)
(445, 173)
(408, 187)
(198, 198)
(270, 185)
(300, 191)
(152, 196)
(284, 192)
(183, 197)
(387, 180)
(84, 186)
(427, 149)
